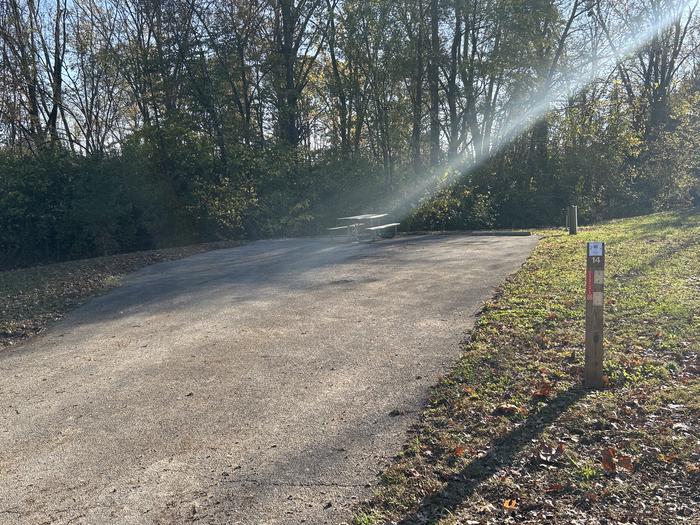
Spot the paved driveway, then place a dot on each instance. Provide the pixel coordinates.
(266, 384)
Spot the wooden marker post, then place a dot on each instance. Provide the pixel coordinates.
(595, 287)
(572, 220)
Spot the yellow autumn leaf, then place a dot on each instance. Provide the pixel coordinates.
(510, 504)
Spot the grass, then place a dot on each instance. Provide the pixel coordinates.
(510, 436)
(31, 299)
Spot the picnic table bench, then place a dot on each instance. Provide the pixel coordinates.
(386, 230)
(366, 226)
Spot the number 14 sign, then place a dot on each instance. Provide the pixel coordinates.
(595, 289)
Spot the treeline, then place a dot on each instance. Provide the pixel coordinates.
(132, 124)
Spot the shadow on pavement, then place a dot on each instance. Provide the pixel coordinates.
(254, 272)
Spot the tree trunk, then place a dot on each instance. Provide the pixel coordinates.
(433, 83)
(452, 88)
(288, 105)
(417, 102)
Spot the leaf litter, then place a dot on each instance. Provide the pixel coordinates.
(515, 439)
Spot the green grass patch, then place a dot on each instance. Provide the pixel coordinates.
(510, 436)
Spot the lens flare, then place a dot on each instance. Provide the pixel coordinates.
(569, 85)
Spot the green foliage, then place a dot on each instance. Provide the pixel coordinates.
(180, 133)
(167, 187)
(55, 207)
(171, 185)
(366, 519)
(460, 207)
(670, 171)
(595, 159)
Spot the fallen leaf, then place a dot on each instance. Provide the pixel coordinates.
(550, 454)
(608, 460)
(469, 391)
(510, 504)
(505, 409)
(543, 390)
(626, 463)
(667, 458)
(459, 451)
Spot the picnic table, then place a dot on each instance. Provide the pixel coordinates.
(366, 226)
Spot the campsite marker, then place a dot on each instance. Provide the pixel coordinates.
(595, 288)
(572, 220)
